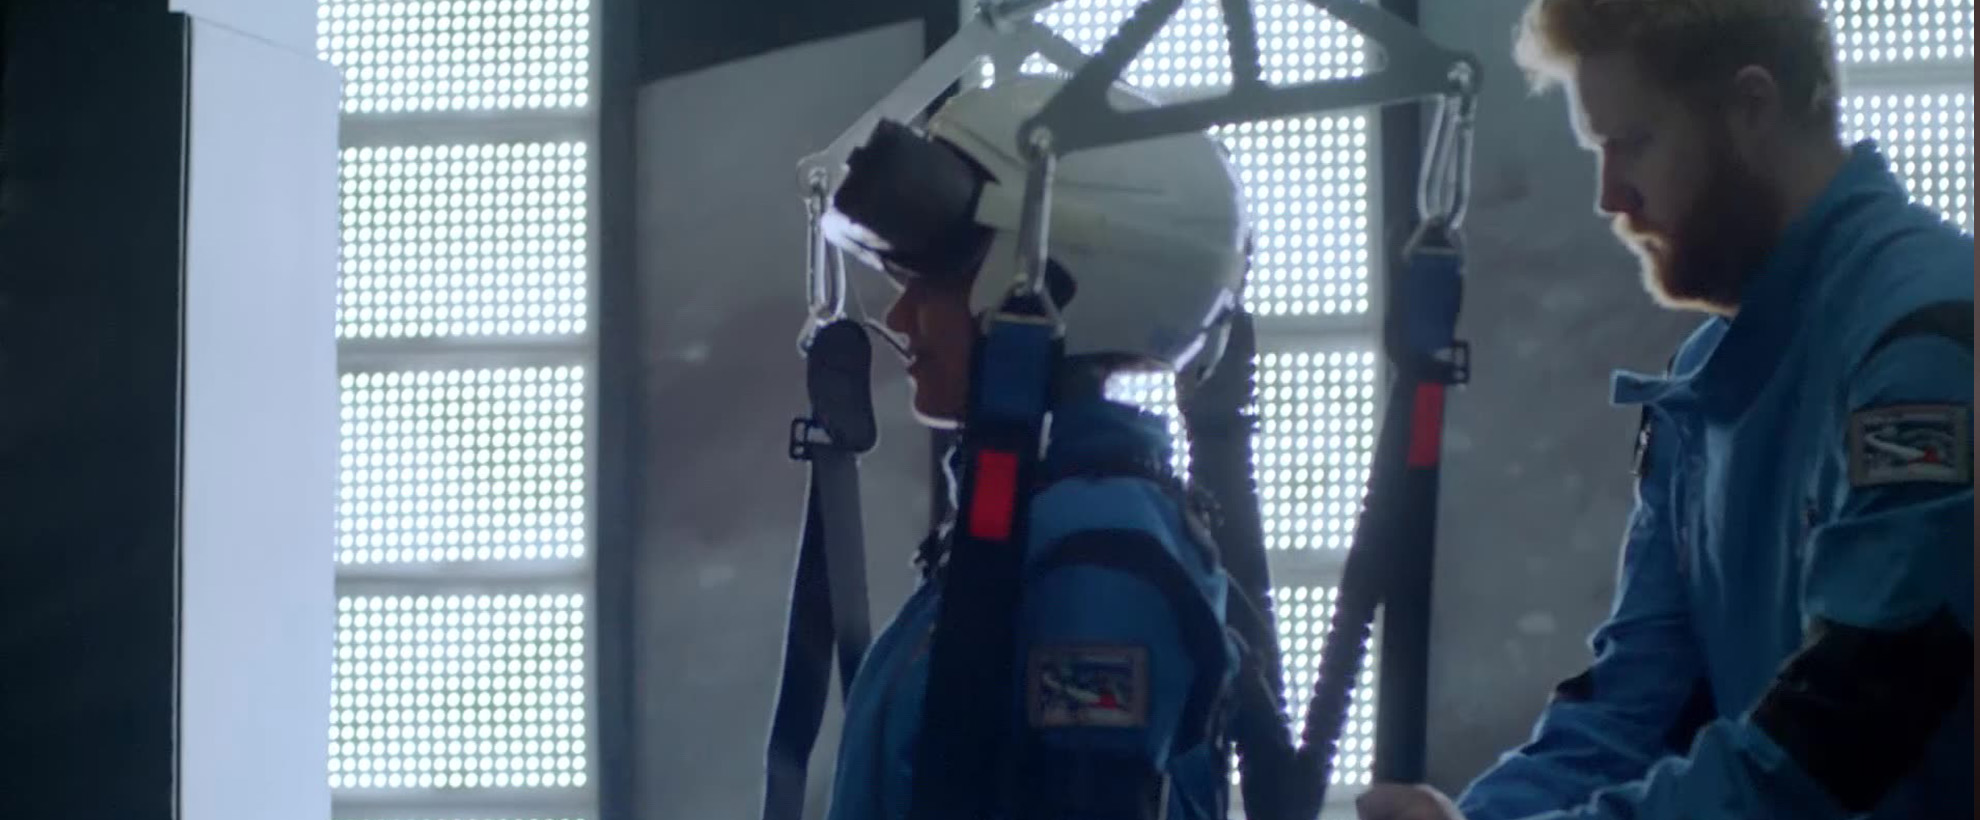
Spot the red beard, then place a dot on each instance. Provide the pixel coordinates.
(1719, 241)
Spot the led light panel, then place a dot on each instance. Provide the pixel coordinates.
(1892, 31)
(459, 692)
(483, 465)
(458, 55)
(1315, 441)
(1929, 141)
(1304, 616)
(1306, 185)
(1297, 43)
(463, 240)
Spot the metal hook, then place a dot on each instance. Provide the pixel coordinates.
(824, 264)
(1034, 223)
(1444, 187)
(824, 268)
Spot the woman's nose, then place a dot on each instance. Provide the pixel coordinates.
(900, 315)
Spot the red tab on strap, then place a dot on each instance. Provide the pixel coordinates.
(1426, 433)
(993, 500)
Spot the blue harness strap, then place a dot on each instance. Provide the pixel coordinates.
(828, 594)
(1397, 529)
(963, 763)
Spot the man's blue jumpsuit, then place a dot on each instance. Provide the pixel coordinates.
(1112, 662)
(1792, 631)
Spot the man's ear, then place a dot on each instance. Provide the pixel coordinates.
(1753, 110)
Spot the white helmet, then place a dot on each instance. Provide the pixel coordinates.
(1151, 234)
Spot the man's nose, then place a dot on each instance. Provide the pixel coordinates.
(1614, 194)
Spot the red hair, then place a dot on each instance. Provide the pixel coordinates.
(1690, 47)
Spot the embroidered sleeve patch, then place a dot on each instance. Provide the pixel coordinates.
(1930, 443)
(1070, 686)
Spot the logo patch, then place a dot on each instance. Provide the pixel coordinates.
(1087, 686)
(1930, 443)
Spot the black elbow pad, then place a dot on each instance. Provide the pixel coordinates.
(1058, 783)
(1856, 707)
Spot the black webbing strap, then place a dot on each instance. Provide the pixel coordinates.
(1396, 535)
(1952, 320)
(828, 593)
(1218, 418)
(964, 764)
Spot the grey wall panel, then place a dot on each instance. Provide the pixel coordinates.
(260, 456)
(1536, 470)
(721, 252)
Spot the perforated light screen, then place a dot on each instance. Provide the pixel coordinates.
(1315, 441)
(1297, 43)
(480, 465)
(1892, 31)
(1306, 185)
(1305, 615)
(1928, 138)
(458, 55)
(463, 240)
(459, 691)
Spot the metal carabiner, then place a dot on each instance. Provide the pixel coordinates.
(825, 271)
(824, 267)
(1034, 224)
(1444, 187)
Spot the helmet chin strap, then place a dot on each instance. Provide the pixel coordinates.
(877, 327)
(892, 339)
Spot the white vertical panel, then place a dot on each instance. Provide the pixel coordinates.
(288, 23)
(260, 430)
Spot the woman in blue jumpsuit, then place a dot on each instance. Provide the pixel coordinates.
(1122, 658)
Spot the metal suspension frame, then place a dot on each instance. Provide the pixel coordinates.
(1079, 117)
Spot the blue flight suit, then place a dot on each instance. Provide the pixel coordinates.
(1797, 579)
(1114, 664)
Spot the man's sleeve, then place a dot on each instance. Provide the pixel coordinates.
(1887, 596)
(1114, 638)
(1641, 698)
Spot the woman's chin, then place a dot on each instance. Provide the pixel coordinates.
(936, 417)
(936, 422)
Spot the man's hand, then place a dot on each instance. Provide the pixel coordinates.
(1405, 801)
